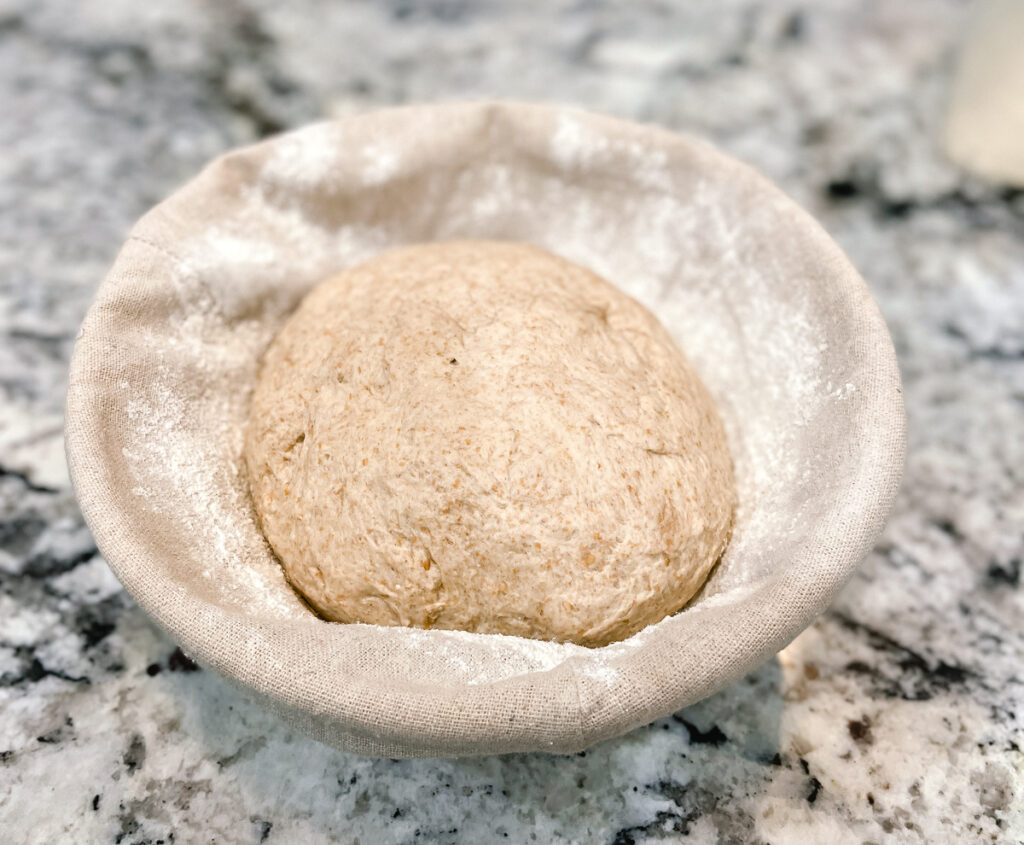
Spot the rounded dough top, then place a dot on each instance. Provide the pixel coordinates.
(484, 436)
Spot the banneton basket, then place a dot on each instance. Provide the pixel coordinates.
(775, 319)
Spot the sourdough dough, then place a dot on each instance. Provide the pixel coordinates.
(484, 436)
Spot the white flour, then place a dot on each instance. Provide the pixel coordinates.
(681, 245)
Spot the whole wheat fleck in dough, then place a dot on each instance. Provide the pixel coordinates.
(484, 436)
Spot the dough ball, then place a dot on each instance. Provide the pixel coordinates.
(484, 436)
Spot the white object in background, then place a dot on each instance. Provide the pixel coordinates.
(985, 125)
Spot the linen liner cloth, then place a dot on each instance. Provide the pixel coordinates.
(777, 322)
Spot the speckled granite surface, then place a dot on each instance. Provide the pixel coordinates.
(898, 717)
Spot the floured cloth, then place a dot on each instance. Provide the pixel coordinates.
(775, 320)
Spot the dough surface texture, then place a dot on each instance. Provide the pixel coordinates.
(484, 436)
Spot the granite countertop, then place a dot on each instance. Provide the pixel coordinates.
(897, 717)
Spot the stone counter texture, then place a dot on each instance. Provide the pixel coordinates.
(897, 717)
